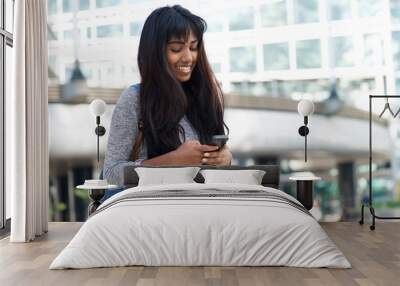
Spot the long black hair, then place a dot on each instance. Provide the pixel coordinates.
(163, 99)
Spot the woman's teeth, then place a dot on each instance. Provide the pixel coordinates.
(184, 69)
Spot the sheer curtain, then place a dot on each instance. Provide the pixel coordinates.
(26, 124)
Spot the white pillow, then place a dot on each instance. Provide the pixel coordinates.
(248, 177)
(162, 176)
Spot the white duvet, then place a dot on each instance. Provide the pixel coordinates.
(183, 231)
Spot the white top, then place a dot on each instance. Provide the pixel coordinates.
(304, 178)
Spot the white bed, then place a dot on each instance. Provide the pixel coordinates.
(248, 225)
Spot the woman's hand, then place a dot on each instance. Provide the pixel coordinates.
(191, 152)
(219, 157)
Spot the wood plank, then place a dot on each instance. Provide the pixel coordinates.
(375, 257)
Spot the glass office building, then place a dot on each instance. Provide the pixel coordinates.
(279, 49)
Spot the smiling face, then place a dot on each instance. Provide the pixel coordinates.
(182, 56)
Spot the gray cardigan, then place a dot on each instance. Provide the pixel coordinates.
(123, 131)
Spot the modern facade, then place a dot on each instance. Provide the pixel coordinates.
(283, 49)
(291, 48)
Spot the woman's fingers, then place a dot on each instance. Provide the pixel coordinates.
(211, 161)
(208, 148)
(214, 158)
(211, 154)
(221, 157)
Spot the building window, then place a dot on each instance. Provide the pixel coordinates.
(216, 67)
(242, 19)
(51, 34)
(342, 49)
(242, 59)
(6, 44)
(9, 11)
(248, 88)
(84, 5)
(107, 3)
(370, 8)
(306, 11)
(339, 9)
(373, 49)
(273, 14)
(135, 28)
(88, 33)
(87, 71)
(398, 85)
(276, 56)
(308, 54)
(353, 91)
(214, 25)
(52, 61)
(315, 89)
(68, 35)
(68, 71)
(110, 31)
(395, 11)
(67, 6)
(396, 50)
(52, 7)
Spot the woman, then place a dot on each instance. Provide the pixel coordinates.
(178, 107)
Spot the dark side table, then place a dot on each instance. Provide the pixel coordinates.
(304, 189)
(95, 195)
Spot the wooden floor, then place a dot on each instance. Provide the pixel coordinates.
(374, 255)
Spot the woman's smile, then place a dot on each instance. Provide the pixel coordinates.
(185, 69)
(182, 56)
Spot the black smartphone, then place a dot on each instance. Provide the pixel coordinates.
(219, 140)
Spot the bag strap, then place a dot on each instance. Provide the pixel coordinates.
(138, 142)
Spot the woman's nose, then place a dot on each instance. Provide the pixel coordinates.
(187, 55)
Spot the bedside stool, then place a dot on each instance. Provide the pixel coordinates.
(95, 195)
(304, 189)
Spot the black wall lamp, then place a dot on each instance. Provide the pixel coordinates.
(97, 108)
(305, 109)
(97, 188)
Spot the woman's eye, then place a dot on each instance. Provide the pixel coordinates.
(178, 50)
(175, 48)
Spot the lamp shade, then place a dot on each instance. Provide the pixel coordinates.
(97, 107)
(305, 107)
